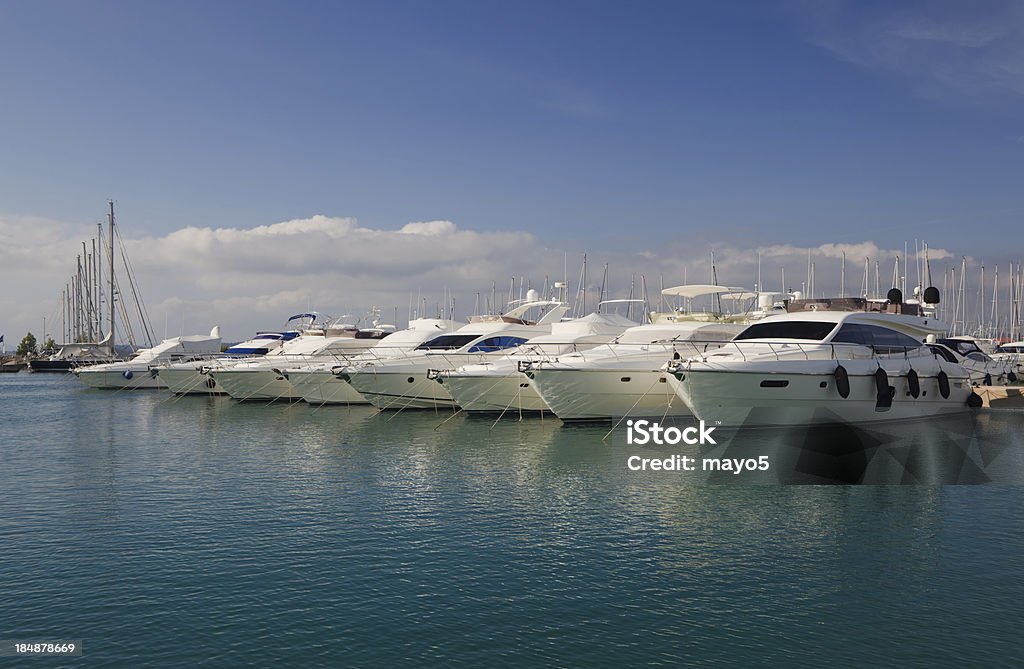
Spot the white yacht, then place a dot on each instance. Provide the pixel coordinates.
(137, 371)
(407, 381)
(263, 379)
(500, 385)
(192, 377)
(846, 360)
(322, 383)
(1013, 353)
(983, 368)
(624, 377)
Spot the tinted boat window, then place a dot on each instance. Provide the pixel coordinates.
(960, 346)
(809, 330)
(946, 354)
(853, 333)
(874, 335)
(496, 344)
(892, 338)
(446, 342)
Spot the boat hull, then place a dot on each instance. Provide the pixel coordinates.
(601, 394)
(406, 389)
(261, 385)
(810, 395)
(494, 393)
(321, 386)
(61, 366)
(181, 381)
(119, 379)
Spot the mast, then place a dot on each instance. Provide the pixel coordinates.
(714, 281)
(842, 279)
(78, 299)
(759, 288)
(993, 317)
(87, 294)
(982, 326)
(110, 218)
(99, 269)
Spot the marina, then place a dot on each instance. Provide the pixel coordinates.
(534, 334)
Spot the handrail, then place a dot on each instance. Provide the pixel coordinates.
(778, 350)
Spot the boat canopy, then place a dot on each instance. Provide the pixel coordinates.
(697, 290)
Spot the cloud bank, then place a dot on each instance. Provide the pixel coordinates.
(246, 279)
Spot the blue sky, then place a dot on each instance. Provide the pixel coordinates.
(587, 124)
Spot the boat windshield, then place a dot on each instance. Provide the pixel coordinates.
(806, 330)
(961, 346)
(875, 335)
(447, 342)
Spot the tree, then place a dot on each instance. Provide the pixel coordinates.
(27, 345)
(49, 345)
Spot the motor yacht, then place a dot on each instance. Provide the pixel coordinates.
(624, 377)
(501, 385)
(846, 360)
(192, 377)
(263, 379)
(322, 382)
(983, 368)
(139, 371)
(1013, 353)
(407, 381)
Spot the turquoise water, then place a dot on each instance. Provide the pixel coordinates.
(202, 532)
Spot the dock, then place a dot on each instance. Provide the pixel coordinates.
(1001, 397)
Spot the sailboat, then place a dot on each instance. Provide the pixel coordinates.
(82, 309)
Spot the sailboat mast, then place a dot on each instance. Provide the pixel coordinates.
(96, 278)
(993, 317)
(842, 278)
(110, 218)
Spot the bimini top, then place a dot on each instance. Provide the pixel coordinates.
(180, 347)
(692, 290)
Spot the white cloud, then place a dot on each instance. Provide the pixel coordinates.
(249, 279)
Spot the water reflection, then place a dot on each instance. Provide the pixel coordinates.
(969, 448)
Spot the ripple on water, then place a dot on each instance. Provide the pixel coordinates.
(202, 531)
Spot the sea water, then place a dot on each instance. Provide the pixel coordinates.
(199, 531)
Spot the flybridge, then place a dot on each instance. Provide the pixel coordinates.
(515, 315)
(893, 304)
